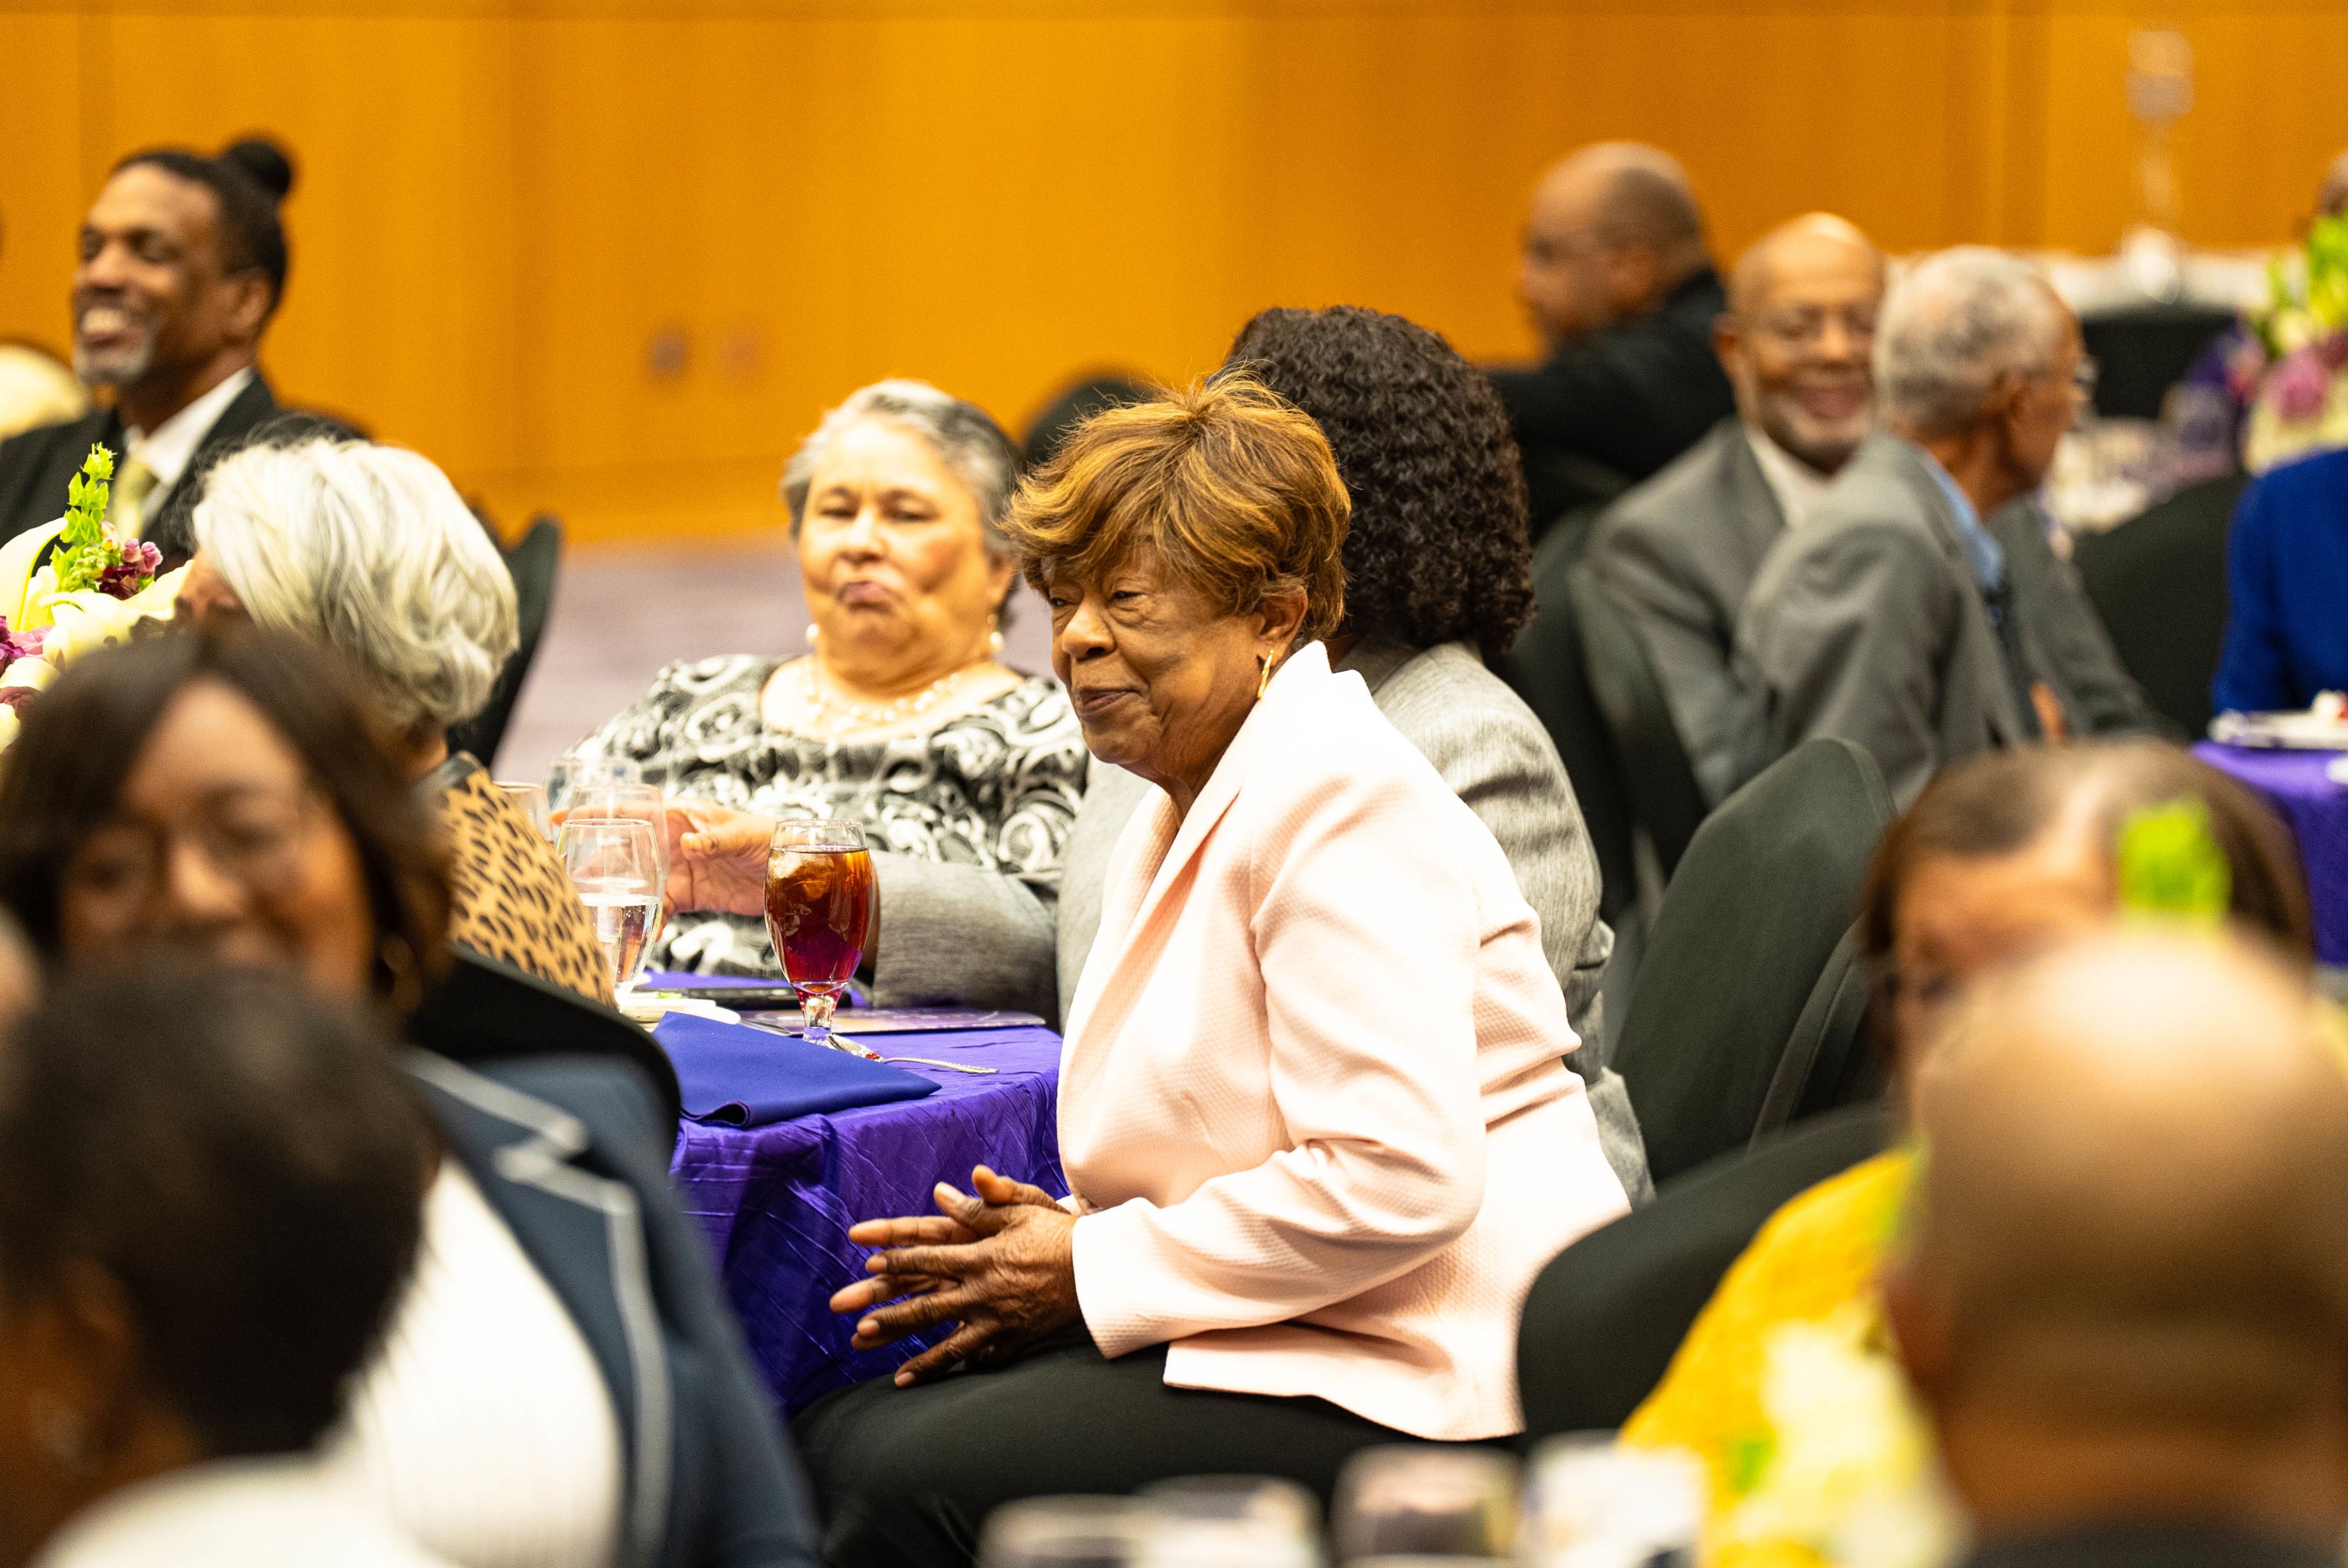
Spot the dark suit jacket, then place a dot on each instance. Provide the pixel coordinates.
(1625, 400)
(1676, 557)
(574, 1156)
(2154, 1543)
(36, 467)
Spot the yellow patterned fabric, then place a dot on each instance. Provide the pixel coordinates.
(1790, 1350)
(513, 899)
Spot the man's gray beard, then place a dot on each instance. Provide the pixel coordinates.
(120, 371)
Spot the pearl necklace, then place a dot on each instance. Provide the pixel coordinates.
(834, 718)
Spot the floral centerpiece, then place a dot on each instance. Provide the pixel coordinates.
(72, 587)
(2291, 369)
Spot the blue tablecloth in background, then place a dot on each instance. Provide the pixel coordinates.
(2317, 809)
(777, 1201)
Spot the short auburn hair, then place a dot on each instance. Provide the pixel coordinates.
(1234, 490)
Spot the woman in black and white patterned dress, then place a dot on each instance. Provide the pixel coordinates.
(966, 775)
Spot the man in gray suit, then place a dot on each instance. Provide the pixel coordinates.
(1895, 616)
(1677, 555)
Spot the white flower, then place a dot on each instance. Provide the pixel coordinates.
(32, 674)
(8, 727)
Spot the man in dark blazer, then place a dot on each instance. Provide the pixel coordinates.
(1677, 555)
(2124, 1297)
(182, 263)
(1618, 282)
(1904, 614)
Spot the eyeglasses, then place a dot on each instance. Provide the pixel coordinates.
(252, 837)
(1803, 326)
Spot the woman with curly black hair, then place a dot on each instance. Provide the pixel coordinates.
(1437, 579)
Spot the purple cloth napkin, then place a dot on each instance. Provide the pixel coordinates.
(2317, 810)
(738, 1076)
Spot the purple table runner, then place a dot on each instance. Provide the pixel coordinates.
(777, 1201)
(2317, 810)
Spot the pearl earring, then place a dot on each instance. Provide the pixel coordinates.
(995, 635)
(814, 634)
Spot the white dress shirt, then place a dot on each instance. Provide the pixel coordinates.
(1794, 483)
(484, 1428)
(172, 446)
(288, 1513)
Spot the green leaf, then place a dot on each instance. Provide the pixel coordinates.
(2172, 868)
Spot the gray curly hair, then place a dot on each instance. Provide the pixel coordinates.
(370, 550)
(1957, 325)
(965, 438)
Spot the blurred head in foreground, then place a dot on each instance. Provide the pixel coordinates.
(230, 795)
(2008, 852)
(2125, 1299)
(210, 1190)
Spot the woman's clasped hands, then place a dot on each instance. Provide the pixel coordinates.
(999, 1261)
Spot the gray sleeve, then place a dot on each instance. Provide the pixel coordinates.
(2102, 697)
(960, 934)
(1717, 720)
(1846, 636)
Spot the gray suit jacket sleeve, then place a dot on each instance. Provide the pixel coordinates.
(1844, 635)
(2098, 693)
(1677, 624)
(964, 934)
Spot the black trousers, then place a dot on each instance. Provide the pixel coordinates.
(909, 1475)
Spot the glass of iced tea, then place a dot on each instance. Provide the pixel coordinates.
(818, 911)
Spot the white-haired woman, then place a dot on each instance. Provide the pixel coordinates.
(370, 550)
(966, 775)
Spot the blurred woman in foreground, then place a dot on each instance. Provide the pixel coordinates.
(2002, 856)
(563, 1382)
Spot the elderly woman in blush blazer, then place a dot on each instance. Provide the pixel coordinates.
(1313, 1108)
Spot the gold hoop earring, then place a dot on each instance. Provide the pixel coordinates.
(1263, 682)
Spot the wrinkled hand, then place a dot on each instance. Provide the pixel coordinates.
(717, 857)
(1000, 1262)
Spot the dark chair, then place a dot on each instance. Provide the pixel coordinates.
(535, 563)
(1603, 1320)
(1546, 668)
(1664, 798)
(1735, 959)
(2142, 351)
(486, 1009)
(2158, 581)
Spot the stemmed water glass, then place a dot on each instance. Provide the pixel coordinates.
(612, 864)
(1066, 1533)
(1415, 1500)
(569, 775)
(819, 915)
(1591, 1501)
(638, 802)
(532, 799)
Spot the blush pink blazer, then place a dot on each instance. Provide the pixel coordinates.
(1312, 1106)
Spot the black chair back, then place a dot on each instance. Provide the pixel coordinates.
(1660, 780)
(535, 563)
(1603, 1320)
(1747, 929)
(486, 1009)
(2158, 581)
(1546, 668)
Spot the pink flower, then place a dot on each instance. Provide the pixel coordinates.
(2300, 386)
(19, 644)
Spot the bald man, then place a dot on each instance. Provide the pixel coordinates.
(2124, 1299)
(1678, 554)
(1617, 280)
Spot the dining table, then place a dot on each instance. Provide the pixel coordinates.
(776, 1201)
(2302, 787)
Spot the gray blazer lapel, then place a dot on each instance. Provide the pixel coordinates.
(1750, 504)
(585, 1233)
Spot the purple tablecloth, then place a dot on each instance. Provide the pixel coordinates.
(777, 1201)
(2318, 812)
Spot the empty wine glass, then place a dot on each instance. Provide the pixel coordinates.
(1413, 1499)
(1230, 1522)
(532, 799)
(612, 864)
(1066, 1533)
(1592, 1502)
(567, 773)
(819, 915)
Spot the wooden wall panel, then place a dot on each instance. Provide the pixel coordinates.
(504, 203)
